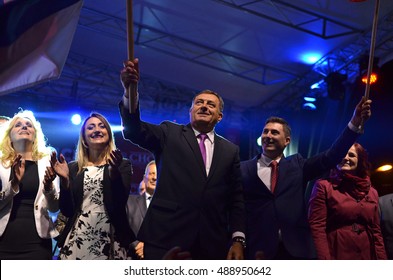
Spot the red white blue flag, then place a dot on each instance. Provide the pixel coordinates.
(35, 38)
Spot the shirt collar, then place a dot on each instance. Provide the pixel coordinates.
(210, 134)
(264, 160)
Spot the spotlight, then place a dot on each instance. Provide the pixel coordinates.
(76, 119)
(373, 78)
(311, 58)
(259, 141)
(117, 128)
(309, 106)
(335, 85)
(309, 99)
(384, 168)
(316, 85)
(363, 68)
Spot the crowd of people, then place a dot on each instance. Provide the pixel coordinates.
(197, 199)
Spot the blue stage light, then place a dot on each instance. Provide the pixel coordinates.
(259, 141)
(309, 106)
(311, 58)
(116, 128)
(76, 119)
(309, 99)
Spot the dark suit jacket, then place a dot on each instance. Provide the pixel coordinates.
(286, 209)
(115, 199)
(386, 209)
(187, 204)
(136, 210)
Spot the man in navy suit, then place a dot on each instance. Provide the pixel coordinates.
(386, 209)
(277, 221)
(198, 204)
(137, 206)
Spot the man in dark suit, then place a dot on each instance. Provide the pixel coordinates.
(198, 203)
(137, 206)
(277, 221)
(386, 209)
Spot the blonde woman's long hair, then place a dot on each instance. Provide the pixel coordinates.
(40, 148)
(82, 150)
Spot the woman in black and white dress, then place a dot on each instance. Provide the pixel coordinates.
(94, 192)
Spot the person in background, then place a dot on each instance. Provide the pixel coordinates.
(29, 189)
(137, 206)
(142, 187)
(94, 192)
(386, 213)
(343, 212)
(4, 119)
(277, 209)
(198, 203)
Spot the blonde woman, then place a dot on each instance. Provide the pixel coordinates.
(94, 192)
(29, 189)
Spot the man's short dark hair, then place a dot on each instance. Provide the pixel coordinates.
(286, 127)
(208, 91)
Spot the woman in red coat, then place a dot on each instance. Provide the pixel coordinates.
(343, 212)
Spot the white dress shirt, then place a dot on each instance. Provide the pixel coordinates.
(264, 170)
(209, 145)
(148, 198)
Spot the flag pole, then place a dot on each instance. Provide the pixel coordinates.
(372, 49)
(132, 89)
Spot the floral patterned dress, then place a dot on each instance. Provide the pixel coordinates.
(91, 237)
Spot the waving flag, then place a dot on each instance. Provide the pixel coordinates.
(35, 38)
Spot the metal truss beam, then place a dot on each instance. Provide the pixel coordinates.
(90, 84)
(344, 60)
(294, 17)
(180, 47)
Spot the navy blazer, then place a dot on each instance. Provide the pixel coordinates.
(287, 208)
(386, 209)
(188, 204)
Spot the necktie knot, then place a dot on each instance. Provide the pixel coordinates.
(202, 136)
(273, 164)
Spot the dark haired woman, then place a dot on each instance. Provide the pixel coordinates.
(343, 212)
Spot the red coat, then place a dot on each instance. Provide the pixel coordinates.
(342, 227)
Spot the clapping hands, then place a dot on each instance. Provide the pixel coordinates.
(60, 167)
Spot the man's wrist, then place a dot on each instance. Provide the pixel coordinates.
(126, 101)
(358, 129)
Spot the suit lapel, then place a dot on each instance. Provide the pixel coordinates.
(253, 170)
(189, 135)
(282, 174)
(141, 202)
(41, 169)
(252, 167)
